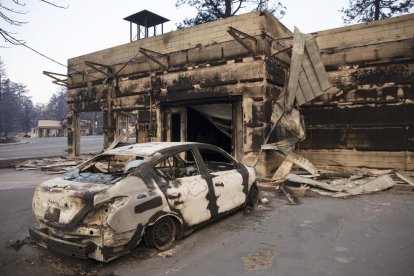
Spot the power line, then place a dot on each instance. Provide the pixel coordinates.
(43, 55)
(18, 42)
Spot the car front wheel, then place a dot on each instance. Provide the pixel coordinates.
(161, 235)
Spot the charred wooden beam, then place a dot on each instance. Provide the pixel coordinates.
(282, 51)
(73, 134)
(98, 67)
(240, 37)
(283, 38)
(62, 82)
(160, 59)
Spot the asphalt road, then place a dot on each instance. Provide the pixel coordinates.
(48, 146)
(364, 235)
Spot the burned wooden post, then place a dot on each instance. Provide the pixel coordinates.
(73, 134)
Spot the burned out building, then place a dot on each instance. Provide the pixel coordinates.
(371, 122)
(217, 83)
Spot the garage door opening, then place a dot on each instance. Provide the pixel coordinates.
(211, 124)
(219, 124)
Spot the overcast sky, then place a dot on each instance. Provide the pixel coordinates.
(91, 25)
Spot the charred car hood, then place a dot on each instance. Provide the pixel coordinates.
(62, 203)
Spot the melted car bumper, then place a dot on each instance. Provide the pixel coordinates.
(78, 250)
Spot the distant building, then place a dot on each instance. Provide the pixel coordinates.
(49, 128)
(57, 128)
(85, 127)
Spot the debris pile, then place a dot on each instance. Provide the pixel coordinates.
(52, 165)
(340, 183)
(306, 81)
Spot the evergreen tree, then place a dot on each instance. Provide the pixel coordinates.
(28, 118)
(16, 109)
(369, 10)
(9, 107)
(210, 10)
(56, 109)
(3, 76)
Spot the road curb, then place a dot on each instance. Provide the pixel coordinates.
(17, 143)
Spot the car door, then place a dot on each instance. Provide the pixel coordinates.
(186, 190)
(228, 183)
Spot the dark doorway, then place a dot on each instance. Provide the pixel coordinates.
(175, 127)
(200, 129)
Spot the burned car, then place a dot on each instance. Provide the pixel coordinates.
(155, 192)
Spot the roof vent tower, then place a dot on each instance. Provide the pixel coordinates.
(144, 21)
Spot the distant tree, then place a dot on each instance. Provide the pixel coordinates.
(370, 10)
(3, 75)
(40, 111)
(9, 14)
(210, 10)
(57, 108)
(16, 109)
(28, 118)
(10, 107)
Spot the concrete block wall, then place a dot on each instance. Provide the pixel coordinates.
(370, 123)
(402, 160)
(203, 34)
(395, 28)
(378, 41)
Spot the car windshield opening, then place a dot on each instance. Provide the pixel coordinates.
(104, 168)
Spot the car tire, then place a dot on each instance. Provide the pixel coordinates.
(253, 197)
(161, 235)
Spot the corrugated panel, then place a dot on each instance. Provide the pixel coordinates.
(307, 75)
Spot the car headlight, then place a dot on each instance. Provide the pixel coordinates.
(99, 214)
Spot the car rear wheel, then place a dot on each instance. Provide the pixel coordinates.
(253, 198)
(161, 235)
